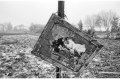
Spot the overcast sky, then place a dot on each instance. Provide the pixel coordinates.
(39, 11)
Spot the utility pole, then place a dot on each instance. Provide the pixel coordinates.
(60, 14)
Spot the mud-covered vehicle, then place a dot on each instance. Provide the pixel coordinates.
(65, 46)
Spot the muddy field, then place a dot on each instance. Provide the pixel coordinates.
(16, 60)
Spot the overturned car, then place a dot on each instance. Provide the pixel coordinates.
(65, 46)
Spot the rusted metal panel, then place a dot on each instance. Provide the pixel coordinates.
(65, 46)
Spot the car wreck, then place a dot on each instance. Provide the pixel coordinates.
(65, 46)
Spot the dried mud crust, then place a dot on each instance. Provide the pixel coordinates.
(16, 61)
(107, 63)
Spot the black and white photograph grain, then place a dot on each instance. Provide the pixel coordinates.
(59, 38)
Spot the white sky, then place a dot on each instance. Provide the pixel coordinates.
(39, 11)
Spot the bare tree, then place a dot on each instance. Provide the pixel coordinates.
(9, 26)
(36, 28)
(1, 28)
(108, 20)
(6, 27)
(80, 24)
(20, 28)
(88, 22)
(115, 24)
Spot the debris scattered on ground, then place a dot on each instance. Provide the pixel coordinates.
(16, 60)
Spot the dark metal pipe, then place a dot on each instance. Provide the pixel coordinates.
(61, 9)
(60, 14)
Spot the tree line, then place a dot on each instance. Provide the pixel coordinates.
(7, 27)
(109, 21)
